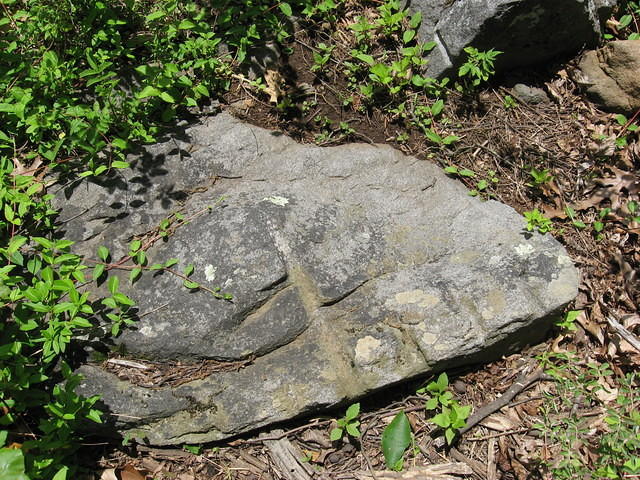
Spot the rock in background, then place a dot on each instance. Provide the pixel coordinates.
(611, 76)
(529, 32)
(352, 268)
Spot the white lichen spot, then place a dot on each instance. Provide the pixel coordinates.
(564, 260)
(524, 249)
(210, 273)
(153, 330)
(276, 200)
(429, 338)
(367, 350)
(487, 314)
(417, 297)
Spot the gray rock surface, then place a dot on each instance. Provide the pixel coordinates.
(352, 268)
(531, 95)
(529, 32)
(611, 76)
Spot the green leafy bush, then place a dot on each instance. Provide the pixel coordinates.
(81, 83)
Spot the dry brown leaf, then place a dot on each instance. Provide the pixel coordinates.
(130, 473)
(35, 170)
(20, 169)
(275, 83)
(316, 436)
(498, 422)
(152, 465)
(591, 326)
(108, 474)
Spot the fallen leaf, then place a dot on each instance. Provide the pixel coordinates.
(275, 82)
(109, 474)
(498, 422)
(594, 328)
(130, 473)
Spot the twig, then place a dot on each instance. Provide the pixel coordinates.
(624, 333)
(476, 466)
(280, 435)
(154, 310)
(500, 434)
(127, 363)
(522, 383)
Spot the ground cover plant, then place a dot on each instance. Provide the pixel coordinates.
(83, 83)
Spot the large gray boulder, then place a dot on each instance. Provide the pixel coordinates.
(529, 32)
(352, 268)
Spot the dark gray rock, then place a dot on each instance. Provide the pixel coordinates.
(352, 268)
(611, 76)
(531, 95)
(529, 32)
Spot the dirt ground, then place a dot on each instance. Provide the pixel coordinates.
(567, 136)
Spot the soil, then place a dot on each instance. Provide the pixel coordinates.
(569, 138)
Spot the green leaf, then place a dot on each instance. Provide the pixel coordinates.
(186, 24)
(190, 284)
(408, 35)
(167, 97)
(148, 91)
(113, 284)
(119, 164)
(431, 404)
(8, 212)
(135, 274)
(449, 434)
(12, 464)
(335, 435)
(625, 20)
(122, 299)
(364, 57)
(188, 270)
(352, 412)
(135, 245)
(442, 419)
(171, 262)
(98, 270)
(286, 9)
(155, 16)
(352, 429)
(103, 253)
(395, 440)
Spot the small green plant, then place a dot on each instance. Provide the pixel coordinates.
(632, 207)
(483, 184)
(194, 449)
(347, 424)
(477, 69)
(627, 126)
(322, 56)
(568, 321)
(598, 224)
(509, 102)
(396, 438)
(571, 213)
(607, 449)
(628, 25)
(539, 177)
(451, 416)
(537, 221)
(462, 172)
